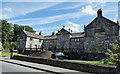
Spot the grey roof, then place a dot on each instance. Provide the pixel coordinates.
(104, 19)
(33, 34)
(63, 31)
(78, 35)
(50, 37)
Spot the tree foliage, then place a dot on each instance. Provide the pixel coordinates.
(7, 33)
(18, 28)
(116, 45)
(10, 33)
(6, 46)
(112, 55)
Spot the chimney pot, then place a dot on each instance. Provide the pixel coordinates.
(99, 13)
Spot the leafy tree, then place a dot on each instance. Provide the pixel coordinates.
(110, 57)
(18, 28)
(116, 48)
(7, 32)
(10, 33)
(113, 55)
(0, 31)
(13, 45)
(116, 45)
(6, 46)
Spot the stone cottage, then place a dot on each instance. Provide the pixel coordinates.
(28, 41)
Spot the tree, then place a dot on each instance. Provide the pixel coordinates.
(18, 28)
(116, 47)
(13, 45)
(7, 32)
(113, 54)
(10, 33)
(110, 57)
(0, 31)
(6, 46)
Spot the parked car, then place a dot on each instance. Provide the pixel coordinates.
(59, 55)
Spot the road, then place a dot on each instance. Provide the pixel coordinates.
(8, 67)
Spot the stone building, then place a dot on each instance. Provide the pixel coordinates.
(94, 41)
(49, 43)
(29, 41)
(99, 34)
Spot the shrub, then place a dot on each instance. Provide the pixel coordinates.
(111, 58)
(13, 45)
(6, 46)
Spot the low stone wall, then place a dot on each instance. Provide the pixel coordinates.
(70, 65)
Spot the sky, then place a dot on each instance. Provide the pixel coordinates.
(50, 17)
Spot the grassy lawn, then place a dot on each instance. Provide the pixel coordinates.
(5, 54)
(90, 62)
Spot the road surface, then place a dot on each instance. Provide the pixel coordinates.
(8, 67)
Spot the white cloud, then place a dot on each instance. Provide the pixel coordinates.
(116, 15)
(88, 10)
(4, 16)
(18, 9)
(111, 9)
(8, 9)
(114, 21)
(73, 6)
(47, 30)
(73, 26)
(51, 19)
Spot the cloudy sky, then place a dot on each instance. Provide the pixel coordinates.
(49, 17)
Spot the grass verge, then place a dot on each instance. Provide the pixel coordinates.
(5, 54)
(90, 62)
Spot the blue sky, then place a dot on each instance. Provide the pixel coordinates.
(49, 17)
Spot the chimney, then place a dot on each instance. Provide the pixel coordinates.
(53, 33)
(40, 33)
(69, 29)
(99, 13)
(63, 26)
(84, 26)
(117, 22)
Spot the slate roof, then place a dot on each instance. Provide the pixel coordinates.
(78, 35)
(63, 31)
(100, 19)
(33, 34)
(50, 37)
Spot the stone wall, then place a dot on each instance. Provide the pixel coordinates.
(49, 44)
(63, 42)
(70, 65)
(21, 41)
(76, 44)
(99, 34)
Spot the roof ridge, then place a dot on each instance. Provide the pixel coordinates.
(109, 20)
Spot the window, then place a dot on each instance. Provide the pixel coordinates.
(35, 45)
(76, 40)
(93, 44)
(39, 40)
(72, 40)
(106, 44)
(31, 38)
(30, 45)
